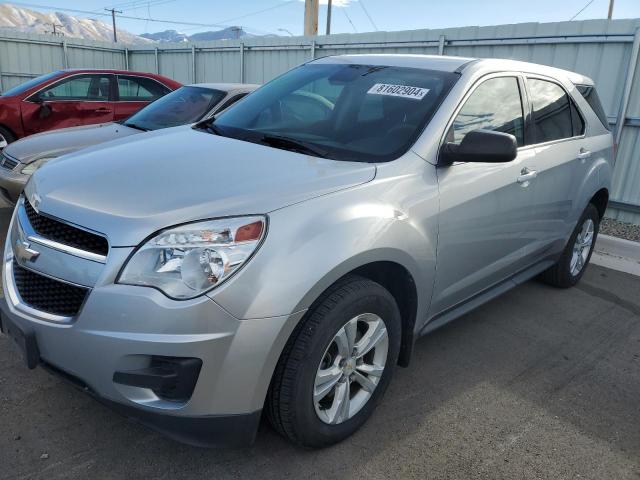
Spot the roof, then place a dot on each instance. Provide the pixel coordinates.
(427, 62)
(529, 67)
(452, 64)
(227, 87)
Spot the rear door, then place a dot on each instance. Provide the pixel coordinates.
(82, 99)
(485, 208)
(562, 159)
(135, 92)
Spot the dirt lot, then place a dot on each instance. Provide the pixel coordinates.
(541, 383)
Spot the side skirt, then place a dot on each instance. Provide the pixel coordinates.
(483, 297)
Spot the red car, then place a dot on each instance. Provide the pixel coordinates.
(68, 98)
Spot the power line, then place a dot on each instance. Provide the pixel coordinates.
(125, 17)
(367, 14)
(344, 10)
(581, 10)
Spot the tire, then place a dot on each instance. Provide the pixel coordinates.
(563, 274)
(5, 136)
(291, 406)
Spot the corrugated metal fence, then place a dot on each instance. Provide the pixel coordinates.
(606, 51)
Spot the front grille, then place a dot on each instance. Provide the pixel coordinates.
(8, 162)
(66, 234)
(46, 294)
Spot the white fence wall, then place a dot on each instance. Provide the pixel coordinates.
(606, 51)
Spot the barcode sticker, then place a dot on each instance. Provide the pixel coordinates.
(404, 91)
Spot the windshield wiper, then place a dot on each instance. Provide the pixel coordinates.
(137, 127)
(210, 127)
(293, 145)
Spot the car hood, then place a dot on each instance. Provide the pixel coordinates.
(55, 143)
(131, 188)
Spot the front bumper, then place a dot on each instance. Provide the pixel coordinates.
(227, 431)
(121, 327)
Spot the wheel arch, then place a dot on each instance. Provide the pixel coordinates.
(8, 129)
(396, 272)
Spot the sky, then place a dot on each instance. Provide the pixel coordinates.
(283, 17)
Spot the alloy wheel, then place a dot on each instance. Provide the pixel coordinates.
(582, 247)
(351, 368)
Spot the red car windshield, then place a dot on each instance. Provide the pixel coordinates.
(23, 87)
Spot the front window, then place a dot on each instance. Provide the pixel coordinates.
(494, 105)
(181, 107)
(79, 87)
(345, 112)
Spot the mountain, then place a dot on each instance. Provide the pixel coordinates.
(30, 21)
(175, 36)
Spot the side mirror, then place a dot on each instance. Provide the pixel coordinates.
(45, 109)
(481, 146)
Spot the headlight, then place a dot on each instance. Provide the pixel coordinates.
(33, 166)
(189, 260)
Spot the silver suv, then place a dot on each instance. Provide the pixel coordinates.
(284, 257)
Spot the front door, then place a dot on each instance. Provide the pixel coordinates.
(485, 216)
(83, 99)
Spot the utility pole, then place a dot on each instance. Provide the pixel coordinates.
(55, 32)
(311, 17)
(113, 18)
(328, 17)
(610, 10)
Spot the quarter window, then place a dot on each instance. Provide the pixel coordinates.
(80, 87)
(140, 89)
(494, 105)
(551, 111)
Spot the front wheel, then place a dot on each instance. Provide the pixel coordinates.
(574, 260)
(336, 365)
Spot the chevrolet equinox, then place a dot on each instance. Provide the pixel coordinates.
(284, 257)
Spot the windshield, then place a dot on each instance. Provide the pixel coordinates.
(345, 112)
(180, 107)
(23, 87)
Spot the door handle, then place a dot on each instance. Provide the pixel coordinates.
(584, 154)
(526, 175)
(102, 110)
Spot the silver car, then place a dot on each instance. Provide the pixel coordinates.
(284, 257)
(185, 105)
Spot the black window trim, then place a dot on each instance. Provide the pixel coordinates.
(526, 108)
(538, 76)
(117, 87)
(33, 98)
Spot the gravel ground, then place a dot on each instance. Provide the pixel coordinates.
(615, 228)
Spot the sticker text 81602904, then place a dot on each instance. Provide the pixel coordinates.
(404, 91)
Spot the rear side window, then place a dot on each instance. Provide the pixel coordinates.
(591, 96)
(551, 111)
(140, 89)
(494, 105)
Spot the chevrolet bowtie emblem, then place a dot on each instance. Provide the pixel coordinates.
(24, 251)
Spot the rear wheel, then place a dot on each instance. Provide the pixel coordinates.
(6, 137)
(337, 364)
(575, 258)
